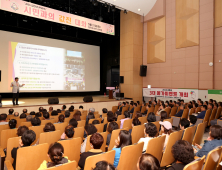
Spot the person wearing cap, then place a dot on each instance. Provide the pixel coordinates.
(166, 129)
(15, 90)
(180, 113)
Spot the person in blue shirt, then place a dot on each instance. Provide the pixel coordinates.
(180, 113)
(134, 105)
(203, 112)
(124, 139)
(213, 141)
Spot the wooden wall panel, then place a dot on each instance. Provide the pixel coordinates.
(156, 41)
(187, 23)
(218, 13)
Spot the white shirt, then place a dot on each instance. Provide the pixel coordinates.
(15, 86)
(145, 140)
(3, 123)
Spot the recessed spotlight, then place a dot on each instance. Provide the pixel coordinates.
(139, 9)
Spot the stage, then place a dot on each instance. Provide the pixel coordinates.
(32, 104)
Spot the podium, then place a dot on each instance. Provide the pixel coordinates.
(110, 91)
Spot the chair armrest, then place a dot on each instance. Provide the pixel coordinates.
(8, 165)
(196, 157)
(2, 153)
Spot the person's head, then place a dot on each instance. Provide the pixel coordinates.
(103, 165)
(148, 162)
(61, 118)
(206, 103)
(199, 100)
(219, 104)
(182, 107)
(69, 131)
(10, 111)
(211, 101)
(67, 113)
(96, 141)
(40, 109)
(80, 107)
(112, 126)
(16, 114)
(151, 117)
(91, 115)
(36, 121)
(54, 113)
(90, 129)
(33, 113)
(163, 115)
(73, 122)
(150, 130)
(124, 139)
(127, 114)
(215, 132)
(214, 101)
(184, 123)
(95, 122)
(178, 104)
(192, 119)
(46, 115)
(50, 109)
(134, 104)
(166, 127)
(138, 102)
(55, 153)
(183, 152)
(124, 104)
(215, 106)
(71, 109)
(92, 109)
(127, 103)
(12, 123)
(21, 130)
(28, 118)
(16, 79)
(200, 103)
(136, 122)
(104, 110)
(3, 117)
(49, 127)
(110, 116)
(204, 107)
(138, 114)
(28, 137)
(25, 111)
(63, 107)
(77, 115)
(22, 116)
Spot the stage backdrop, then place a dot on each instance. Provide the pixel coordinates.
(48, 65)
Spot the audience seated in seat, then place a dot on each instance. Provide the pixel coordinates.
(28, 118)
(214, 140)
(41, 109)
(90, 116)
(124, 139)
(160, 109)
(192, 119)
(36, 121)
(184, 123)
(55, 154)
(69, 132)
(110, 118)
(138, 114)
(67, 114)
(21, 130)
(166, 129)
(61, 119)
(180, 113)
(112, 126)
(151, 117)
(54, 113)
(148, 162)
(135, 122)
(28, 137)
(95, 122)
(22, 116)
(89, 129)
(16, 114)
(163, 116)
(96, 141)
(127, 116)
(33, 113)
(10, 111)
(38, 114)
(203, 112)
(73, 122)
(81, 108)
(103, 165)
(63, 107)
(134, 105)
(77, 115)
(46, 115)
(49, 127)
(3, 119)
(12, 123)
(150, 132)
(183, 153)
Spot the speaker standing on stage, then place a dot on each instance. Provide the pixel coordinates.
(15, 90)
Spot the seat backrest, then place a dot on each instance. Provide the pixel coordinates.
(189, 134)
(137, 133)
(192, 110)
(168, 111)
(12, 143)
(114, 109)
(83, 117)
(157, 118)
(124, 109)
(99, 127)
(3, 127)
(156, 151)
(49, 137)
(38, 130)
(218, 113)
(198, 109)
(71, 166)
(61, 126)
(118, 122)
(199, 134)
(143, 119)
(135, 110)
(169, 120)
(104, 115)
(150, 109)
(120, 117)
(28, 124)
(156, 108)
(6, 134)
(91, 120)
(167, 155)
(195, 165)
(92, 160)
(72, 148)
(81, 123)
(212, 116)
(33, 156)
(185, 113)
(55, 117)
(97, 116)
(173, 111)
(127, 159)
(114, 136)
(127, 123)
(43, 122)
(79, 132)
(19, 121)
(157, 124)
(212, 159)
(143, 109)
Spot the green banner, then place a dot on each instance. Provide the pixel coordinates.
(215, 92)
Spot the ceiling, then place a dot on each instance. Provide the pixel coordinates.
(133, 5)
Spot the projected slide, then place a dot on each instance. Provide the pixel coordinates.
(47, 68)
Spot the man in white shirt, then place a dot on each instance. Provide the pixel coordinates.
(3, 119)
(15, 90)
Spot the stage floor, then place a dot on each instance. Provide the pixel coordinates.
(44, 101)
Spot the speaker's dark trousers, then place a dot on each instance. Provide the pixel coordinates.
(15, 97)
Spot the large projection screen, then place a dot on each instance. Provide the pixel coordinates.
(48, 65)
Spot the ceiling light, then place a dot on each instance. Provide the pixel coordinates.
(139, 9)
(125, 11)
